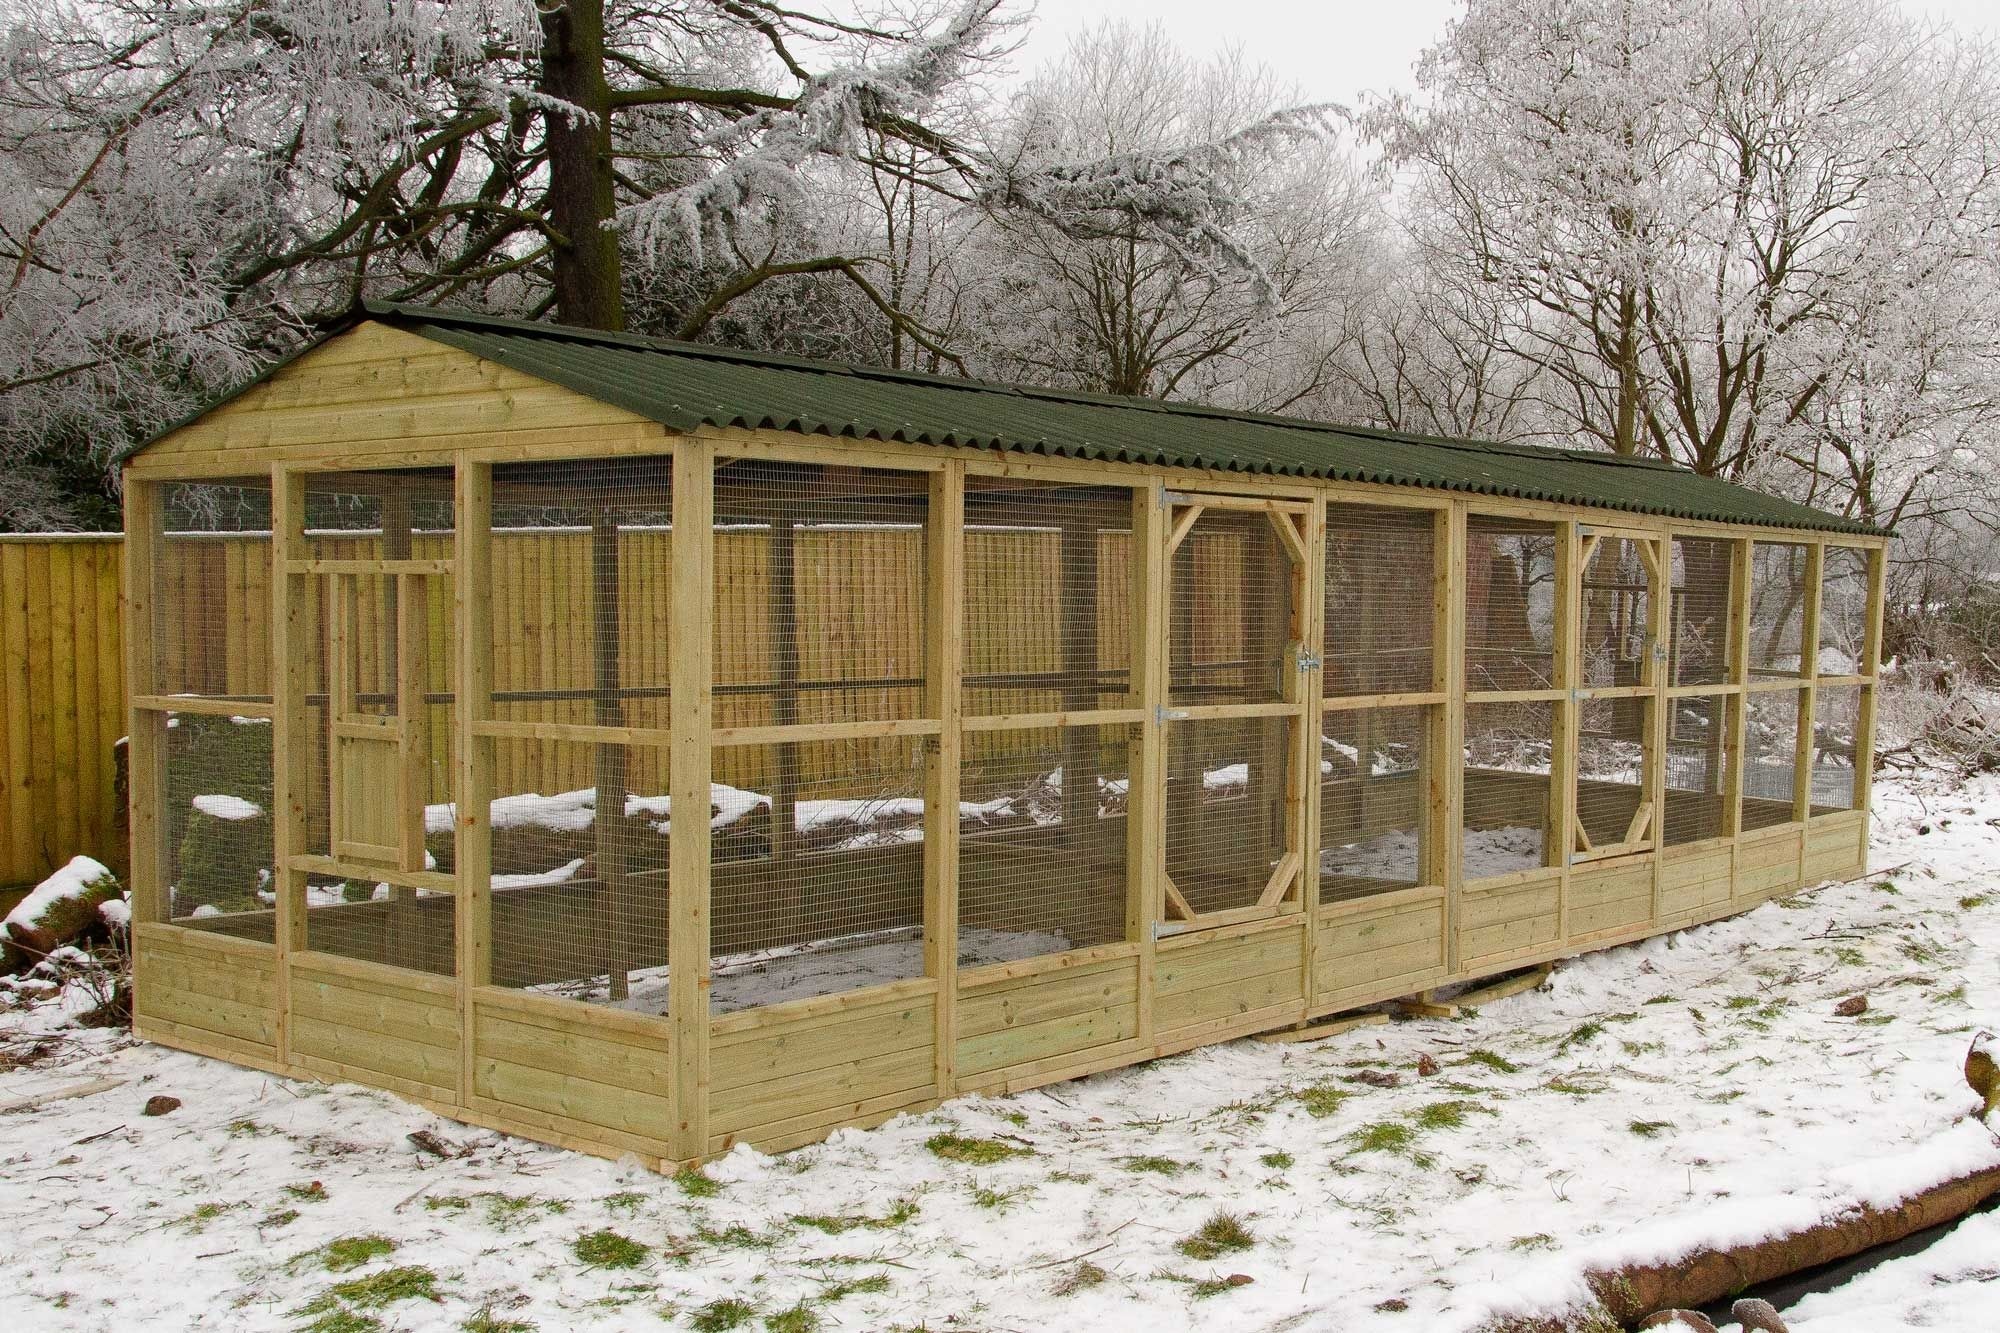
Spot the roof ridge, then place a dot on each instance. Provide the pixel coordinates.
(968, 384)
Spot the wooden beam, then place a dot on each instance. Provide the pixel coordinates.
(146, 757)
(472, 777)
(944, 665)
(1183, 524)
(1145, 793)
(1445, 779)
(692, 709)
(608, 825)
(291, 771)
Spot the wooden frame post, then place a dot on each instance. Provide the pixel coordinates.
(1145, 791)
(1743, 566)
(1447, 776)
(1802, 763)
(1312, 726)
(692, 709)
(289, 742)
(472, 792)
(1566, 713)
(944, 669)
(1871, 667)
(145, 756)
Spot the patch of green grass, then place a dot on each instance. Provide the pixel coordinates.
(485, 1322)
(1742, 1002)
(447, 1203)
(834, 1224)
(972, 1151)
(1320, 1100)
(1382, 1136)
(503, 1209)
(1154, 1166)
(799, 1319)
(310, 1192)
(1447, 1115)
(1574, 1087)
(1975, 900)
(351, 1252)
(1215, 1286)
(1875, 1020)
(1956, 995)
(607, 1249)
(377, 1291)
(341, 1321)
(625, 1201)
(1539, 1241)
(1650, 1129)
(204, 1213)
(248, 1129)
(696, 1183)
(1277, 1161)
(1582, 1035)
(872, 1285)
(1663, 999)
(721, 1316)
(279, 1217)
(1849, 956)
(1886, 887)
(1493, 1060)
(735, 1236)
(986, 1197)
(1018, 1119)
(1081, 1276)
(1223, 1233)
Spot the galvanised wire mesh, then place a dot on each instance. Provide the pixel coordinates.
(212, 639)
(1510, 797)
(1231, 612)
(1836, 735)
(1048, 597)
(1043, 864)
(1699, 625)
(1697, 768)
(1510, 604)
(377, 647)
(1614, 741)
(1770, 757)
(1227, 829)
(820, 613)
(1380, 617)
(1777, 607)
(1843, 612)
(579, 889)
(1373, 835)
(817, 881)
(1615, 615)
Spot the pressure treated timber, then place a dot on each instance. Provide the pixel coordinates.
(475, 1043)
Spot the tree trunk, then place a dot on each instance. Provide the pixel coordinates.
(581, 202)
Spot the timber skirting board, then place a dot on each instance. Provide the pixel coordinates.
(159, 973)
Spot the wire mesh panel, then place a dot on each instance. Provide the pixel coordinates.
(1777, 607)
(1615, 613)
(581, 604)
(1836, 737)
(1697, 769)
(819, 594)
(1042, 844)
(1614, 738)
(1048, 597)
(212, 590)
(818, 878)
(1700, 625)
(1510, 604)
(1228, 829)
(1373, 833)
(1843, 612)
(1232, 611)
(1770, 757)
(217, 823)
(1510, 797)
(1381, 618)
(579, 890)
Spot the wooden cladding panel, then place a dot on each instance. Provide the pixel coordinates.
(1213, 976)
(376, 1024)
(1694, 883)
(1610, 900)
(1509, 921)
(1390, 950)
(214, 987)
(560, 1061)
(1023, 1020)
(1836, 847)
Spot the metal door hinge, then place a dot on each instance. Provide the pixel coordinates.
(1170, 715)
(1308, 660)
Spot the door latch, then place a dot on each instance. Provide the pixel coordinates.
(1308, 660)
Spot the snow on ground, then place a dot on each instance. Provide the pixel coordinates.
(1688, 1088)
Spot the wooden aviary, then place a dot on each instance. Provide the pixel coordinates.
(652, 748)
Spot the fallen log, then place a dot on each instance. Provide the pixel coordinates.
(58, 910)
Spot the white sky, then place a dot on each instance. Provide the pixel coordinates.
(1331, 49)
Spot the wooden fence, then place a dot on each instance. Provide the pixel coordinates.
(62, 703)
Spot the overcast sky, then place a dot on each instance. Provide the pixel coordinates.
(1331, 49)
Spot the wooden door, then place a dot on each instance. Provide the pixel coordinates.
(1620, 675)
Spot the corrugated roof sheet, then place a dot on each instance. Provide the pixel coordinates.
(683, 386)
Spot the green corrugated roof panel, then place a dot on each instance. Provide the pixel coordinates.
(683, 386)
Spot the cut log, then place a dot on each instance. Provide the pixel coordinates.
(60, 908)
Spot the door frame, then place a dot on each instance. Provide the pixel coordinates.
(1643, 832)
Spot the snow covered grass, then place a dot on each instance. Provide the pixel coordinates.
(1687, 1090)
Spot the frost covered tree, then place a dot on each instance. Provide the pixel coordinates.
(1080, 288)
(1714, 221)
